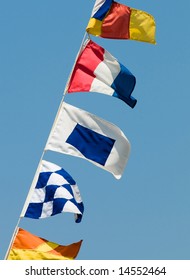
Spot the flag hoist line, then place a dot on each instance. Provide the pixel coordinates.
(41, 158)
(108, 2)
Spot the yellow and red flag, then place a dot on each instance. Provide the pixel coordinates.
(113, 20)
(27, 246)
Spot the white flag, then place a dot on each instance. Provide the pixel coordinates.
(81, 134)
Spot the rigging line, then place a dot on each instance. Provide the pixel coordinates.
(39, 164)
(12, 240)
(66, 87)
(25, 206)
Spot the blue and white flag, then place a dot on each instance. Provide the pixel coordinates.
(81, 134)
(55, 192)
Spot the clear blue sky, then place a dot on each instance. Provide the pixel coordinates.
(145, 214)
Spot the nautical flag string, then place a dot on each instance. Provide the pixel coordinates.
(82, 134)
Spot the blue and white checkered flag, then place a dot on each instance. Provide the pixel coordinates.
(55, 192)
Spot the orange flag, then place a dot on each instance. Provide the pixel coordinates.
(27, 246)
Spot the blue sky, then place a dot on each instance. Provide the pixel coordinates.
(145, 214)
